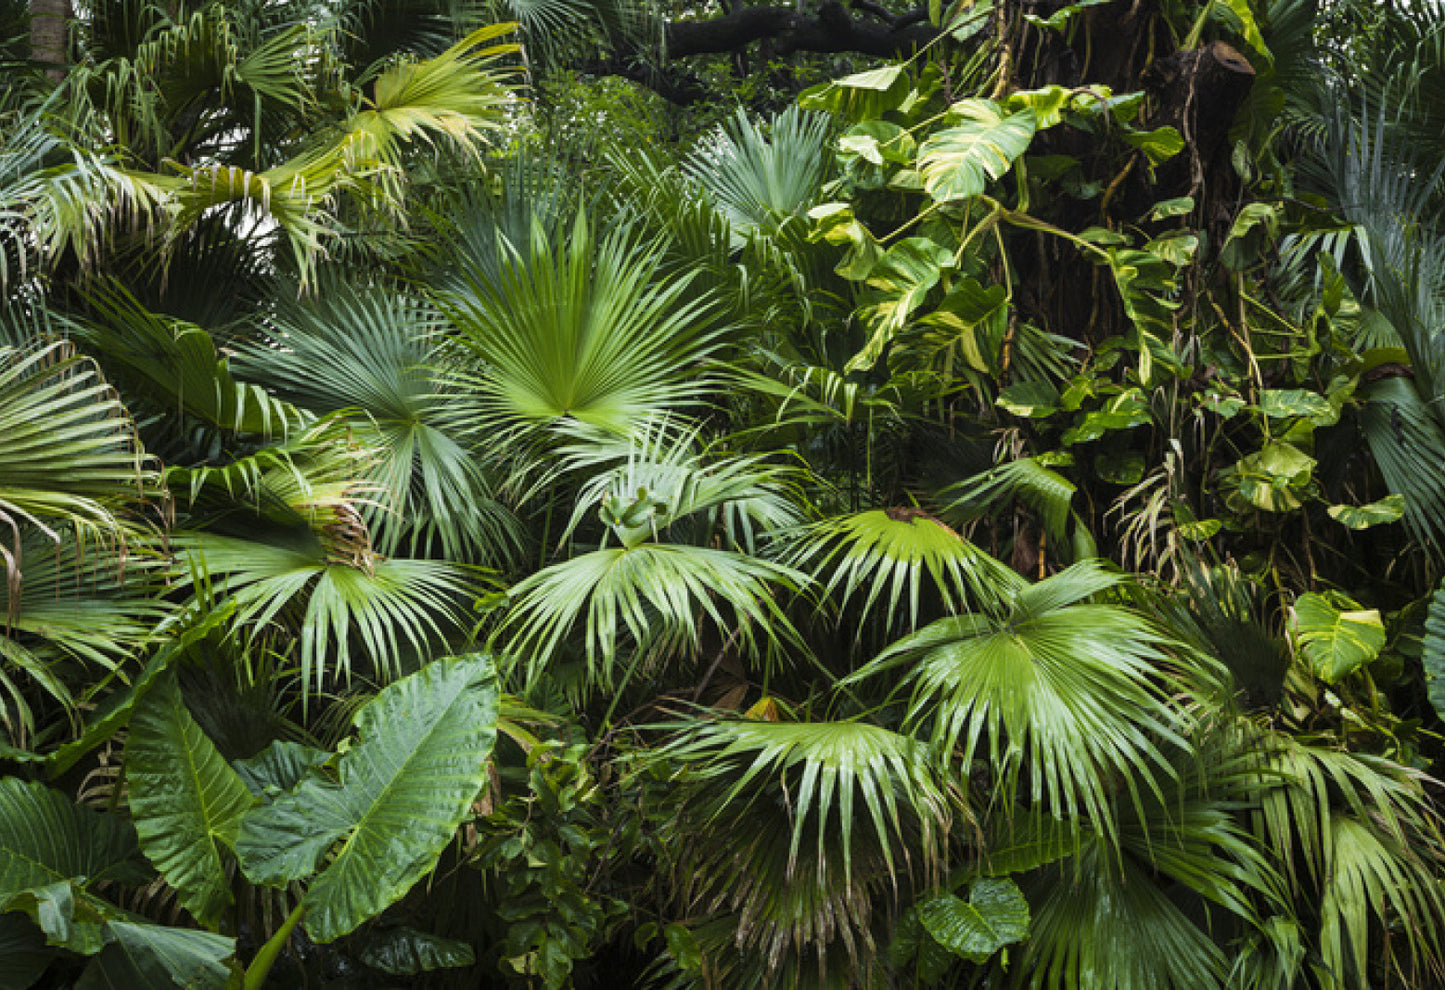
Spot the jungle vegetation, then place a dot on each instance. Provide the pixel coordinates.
(582, 492)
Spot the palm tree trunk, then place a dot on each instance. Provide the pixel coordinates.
(48, 20)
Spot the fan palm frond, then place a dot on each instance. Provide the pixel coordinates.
(398, 612)
(68, 450)
(373, 352)
(899, 551)
(765, 180)
(578, 327)
(647, 605)
(796, 830)
(689, 497)
(1355, 838)
(1063, 697)
(69, 611)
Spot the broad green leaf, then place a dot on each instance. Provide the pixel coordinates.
(901, 281)
(1271, 478)
(995, 915)
(1121, 468)
(1253, 228)
(1033, 400)
(1285, 403)
(1177, 207)
(155, 957)
(970, 17)
(836, 224)
(408, 952)
(1334, 641)
(185, 799)
(279, 767)
(1124, 411)
(23, 952)
(683, 948)
(956, 163)
(1060, 18)
(1386, 510)
(1048, 104)
(404, 788)
(1249, 29)
(1159, 145)
(69, 919)
(970, 321)
(1199, 529)
(911, 942)
(878, 141)
(861, 96)
(45, 838)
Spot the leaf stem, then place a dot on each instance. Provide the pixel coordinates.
(260, 967)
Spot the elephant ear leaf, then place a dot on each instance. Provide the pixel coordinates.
(155, 956)
(1336, 641)
(403, 790)
(995, 915)
(186, 800)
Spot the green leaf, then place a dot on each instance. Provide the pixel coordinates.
(1432, 653)
(1159, 145)
(154, 957)
(994, 916)
(185, 799)
(1177, 207)
(1285, 403)
(23, 952)
(279, 767)
(408, 952)
(1121, 468)
(1060, 18)
(861, 96)
(1252, 229)
(1386, 510)
(45, 838)
(901, 279)
(403, 790)
(683, 948)
(1249, 29)
(1336, 642)
(972, 16)
(956, 163)
(1270, 479)
(1033, 400)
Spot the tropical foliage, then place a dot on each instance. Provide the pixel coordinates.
(976, 520)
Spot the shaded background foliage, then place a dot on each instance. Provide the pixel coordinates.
(569, 493)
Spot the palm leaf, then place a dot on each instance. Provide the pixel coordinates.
(645, 604)
(756, 811)
(179, 365)
(1061, 696)
(370, 354)
(578, 328)
(690, 497)
(68, 451)
(1354, 838)
(397, 611)
(898, 551)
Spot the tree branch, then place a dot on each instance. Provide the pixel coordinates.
(831, 29)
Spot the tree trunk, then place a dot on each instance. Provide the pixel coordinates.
(48, 20)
